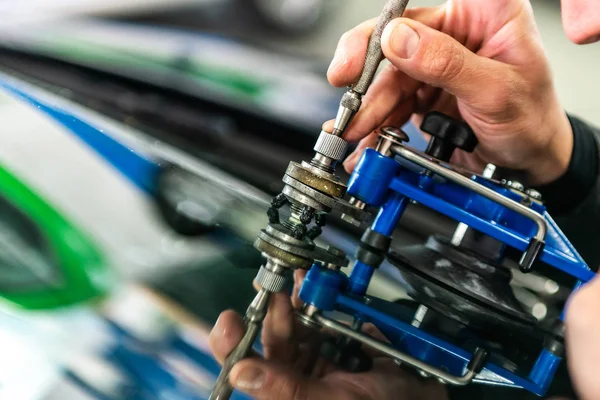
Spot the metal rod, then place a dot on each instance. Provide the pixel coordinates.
(254, 316)
(462, 228)
(392, 10)
(474, 186)
(459, 233)
(419, 316)
(352, 99)
(388, 350)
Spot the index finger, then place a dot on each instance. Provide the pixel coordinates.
(350, 54)
(349, 58)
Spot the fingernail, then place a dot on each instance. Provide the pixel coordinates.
(250, 378)
(404, 41)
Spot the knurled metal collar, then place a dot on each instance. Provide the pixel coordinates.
(331, 146)
(269, 280)
(351, 100)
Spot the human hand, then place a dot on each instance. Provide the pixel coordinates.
(478, 61)
(287, 347)
(583, 339)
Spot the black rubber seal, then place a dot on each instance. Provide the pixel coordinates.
(369, 256)
(376, 240)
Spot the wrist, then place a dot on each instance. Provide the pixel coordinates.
(552, 160)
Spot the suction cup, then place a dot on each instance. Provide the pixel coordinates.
(462, 285)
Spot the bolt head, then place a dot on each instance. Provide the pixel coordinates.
(518, 186)
(394, 134)
(534, 194)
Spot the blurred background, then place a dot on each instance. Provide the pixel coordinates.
(141, 143)
(312, 28)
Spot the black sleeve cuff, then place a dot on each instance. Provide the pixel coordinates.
(568, 191)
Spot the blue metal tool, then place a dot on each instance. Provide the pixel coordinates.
(500, 212)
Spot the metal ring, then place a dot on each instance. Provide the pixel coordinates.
(336, 204)
(324, 184)
(274, 230)
(292, 192)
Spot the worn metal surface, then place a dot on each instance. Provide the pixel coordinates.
(285, 258)
(293, 193)
(328, 185)
(336, 204)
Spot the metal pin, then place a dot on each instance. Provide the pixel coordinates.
(462, 228)
(419, 316)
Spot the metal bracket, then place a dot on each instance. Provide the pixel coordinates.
(474, 367)
(539, 238)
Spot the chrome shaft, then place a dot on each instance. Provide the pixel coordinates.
(254, 317)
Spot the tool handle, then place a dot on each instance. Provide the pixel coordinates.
(393, 9)
(223, 389)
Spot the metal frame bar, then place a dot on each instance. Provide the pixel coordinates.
(388, 350)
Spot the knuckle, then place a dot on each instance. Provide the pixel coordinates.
(287, 388)
(299, 392)
(445, 62)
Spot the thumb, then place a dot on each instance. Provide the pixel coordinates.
(437, 59)
(265, 380)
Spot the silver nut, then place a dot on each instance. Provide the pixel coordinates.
(534, 194)
(518, 186)
(331, 146)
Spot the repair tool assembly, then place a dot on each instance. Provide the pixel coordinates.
(468, 326)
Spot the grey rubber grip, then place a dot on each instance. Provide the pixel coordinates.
(393, 9)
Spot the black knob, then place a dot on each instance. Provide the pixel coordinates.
(346, 354)
(448, 134)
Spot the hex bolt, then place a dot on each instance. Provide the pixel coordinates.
(518, 186)
(534, 194)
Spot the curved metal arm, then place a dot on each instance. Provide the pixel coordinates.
(475, 365)
(535, 246)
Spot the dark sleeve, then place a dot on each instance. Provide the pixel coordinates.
(574, 199)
